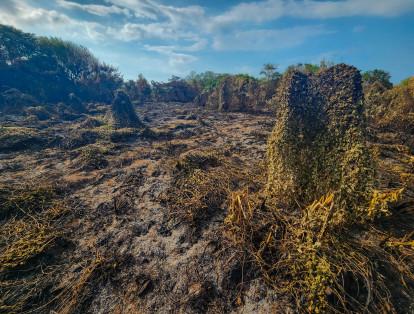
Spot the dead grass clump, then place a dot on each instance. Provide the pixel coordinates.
(197, 160)
(326, 264)
(173, 148)
(39, 112)
(200, 194)
(79, 138)
(30, 239)
(93, 158)
(74, 291)
(123, 135)
(201, 185)
(35, 272)
(25, 199)
(19, 138)
(90, 123)
(22, 239)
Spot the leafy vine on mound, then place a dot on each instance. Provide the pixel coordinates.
(322, 231)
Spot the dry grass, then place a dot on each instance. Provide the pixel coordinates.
(36, 273)
(29, 229)
(74, 290)
(201, 185)
(93, 157)
(323, 262)
(24, 199)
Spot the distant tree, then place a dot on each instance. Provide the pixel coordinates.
(144, 88)
(269, 71)
(139, 90)
(405, 82)
(174, 78)
(304, 67)
(309, 68)
(324, 64)
(377, 75)
(206, 81)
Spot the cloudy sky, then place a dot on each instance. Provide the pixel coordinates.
(159, 38)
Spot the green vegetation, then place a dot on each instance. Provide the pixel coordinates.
(139, 90)
(175, 90)
(30, 64)
(309, 68)
(270, 72)
(379, 76)
(206, 81)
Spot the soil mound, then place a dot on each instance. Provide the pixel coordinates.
(318, 143)
(123, 113)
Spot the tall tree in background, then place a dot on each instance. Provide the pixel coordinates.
(269, 71)
(377, 75)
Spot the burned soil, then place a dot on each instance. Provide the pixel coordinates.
(175, 213)
(132, 225)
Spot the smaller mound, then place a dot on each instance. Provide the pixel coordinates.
(75, 103)
(12, 101)
(123, 113)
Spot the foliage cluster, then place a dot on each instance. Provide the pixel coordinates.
(380, 76)
(175, 90)
(138, 90)
(206, 81)
(50, 68)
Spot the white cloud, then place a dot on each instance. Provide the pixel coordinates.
(95, 9)
(166, 22)
(157, 11)
(141, 8)
(269, 10)
(172, 35)
(49, 22)
(135, 31)
(175, 59)
(267, 39)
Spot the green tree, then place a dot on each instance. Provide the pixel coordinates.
(269, 71)
(377, 75)
(50, 68)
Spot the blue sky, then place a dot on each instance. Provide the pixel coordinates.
(160, 38)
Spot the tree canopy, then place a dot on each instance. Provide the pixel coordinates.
(377, 75)
(50, 68)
